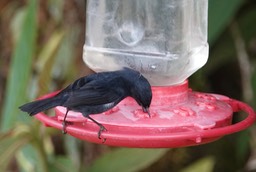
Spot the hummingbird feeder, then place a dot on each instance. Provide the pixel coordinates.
(167, 42)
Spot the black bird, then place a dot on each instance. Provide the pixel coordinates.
(97, 93)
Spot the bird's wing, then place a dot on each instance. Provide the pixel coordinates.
(89, 95)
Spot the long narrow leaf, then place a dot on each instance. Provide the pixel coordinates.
(20, 68)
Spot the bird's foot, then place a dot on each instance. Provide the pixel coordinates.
(102, 128)
(64, 125)
(64, 131)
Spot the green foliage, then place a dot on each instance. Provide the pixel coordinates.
(20, 69)
(205, 164)
(46, 55)
(127, 160)
(10, 142)
(62, 163)
(221, 12)
(46, 59)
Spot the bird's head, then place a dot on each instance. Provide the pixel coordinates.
(141, 92)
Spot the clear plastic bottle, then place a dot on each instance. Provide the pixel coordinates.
(166, 40)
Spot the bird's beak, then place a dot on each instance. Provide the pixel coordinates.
(146, 110)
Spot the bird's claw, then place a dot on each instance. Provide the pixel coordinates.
(64, 131)
(64, 126)
(102, 128)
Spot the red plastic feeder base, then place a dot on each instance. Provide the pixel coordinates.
(179, 117)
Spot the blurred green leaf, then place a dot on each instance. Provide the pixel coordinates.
(247, 23)
(242, 145)
(12, 141)
(62, 164)
(24, 164)
(127, 160)
(20, 69)
(205, 165)
(32, 157)
(46, 61)
(221, 13)
(17, 22)
(73, 149)
(29, 160)
(9, 144)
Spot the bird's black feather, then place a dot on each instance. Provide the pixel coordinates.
(97, 93)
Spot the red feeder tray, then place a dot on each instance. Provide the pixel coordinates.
(179, 117)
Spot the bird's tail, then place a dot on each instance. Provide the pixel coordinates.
(40, 105)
